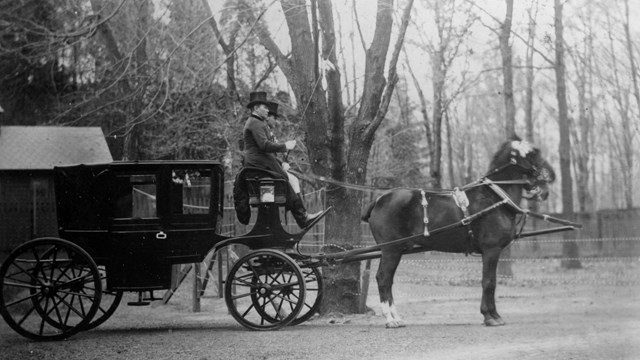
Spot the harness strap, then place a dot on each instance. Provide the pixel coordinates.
(461, 199)
(425, 218)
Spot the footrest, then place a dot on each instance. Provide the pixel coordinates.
(318, 218)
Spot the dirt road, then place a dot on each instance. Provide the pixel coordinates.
(551, 322)
(551, 313)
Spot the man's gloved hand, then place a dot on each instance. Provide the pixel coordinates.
(290, 144)
(286, 166)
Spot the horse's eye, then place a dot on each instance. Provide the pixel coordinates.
(544, 174)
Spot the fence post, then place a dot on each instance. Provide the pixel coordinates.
(196, 287)
(220, 276)
(362, 306)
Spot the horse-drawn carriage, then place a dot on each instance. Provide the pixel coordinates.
(123, 225)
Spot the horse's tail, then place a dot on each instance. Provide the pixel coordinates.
(367, 213)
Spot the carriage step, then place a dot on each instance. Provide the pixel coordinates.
(142, 301)
(138, 303)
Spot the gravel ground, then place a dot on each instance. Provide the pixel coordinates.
(543, 322)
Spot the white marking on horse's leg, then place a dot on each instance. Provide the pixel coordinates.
(386, 312)
(396, 316)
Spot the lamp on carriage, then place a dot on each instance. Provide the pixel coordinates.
(267, 193)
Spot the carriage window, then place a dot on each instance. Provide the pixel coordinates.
(136, 196)
(190, 191)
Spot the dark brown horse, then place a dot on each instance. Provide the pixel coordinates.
(483, 221)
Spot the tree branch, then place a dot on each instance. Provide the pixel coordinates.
(550, 61)
(392, 74)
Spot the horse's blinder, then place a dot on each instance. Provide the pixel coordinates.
(537, 176)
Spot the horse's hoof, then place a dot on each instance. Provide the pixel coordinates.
(492, 322)
(392, 325)
(500, 321)
(401, 324)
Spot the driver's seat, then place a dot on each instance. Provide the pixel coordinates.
(254, 187)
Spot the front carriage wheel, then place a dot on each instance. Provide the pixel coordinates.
(265, 290)
(49, 289)
(313, 295)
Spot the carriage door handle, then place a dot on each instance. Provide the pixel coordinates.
(161, 235)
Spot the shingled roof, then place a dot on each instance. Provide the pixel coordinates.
(43, 147)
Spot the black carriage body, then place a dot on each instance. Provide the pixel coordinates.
(139, 218)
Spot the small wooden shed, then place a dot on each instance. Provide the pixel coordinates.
(27, 157)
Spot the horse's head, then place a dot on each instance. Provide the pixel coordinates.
(518, 159)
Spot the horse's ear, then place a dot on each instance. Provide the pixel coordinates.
(514, 137)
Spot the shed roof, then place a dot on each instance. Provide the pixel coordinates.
(43, 147)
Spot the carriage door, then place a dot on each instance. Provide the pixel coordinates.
(192, 216)
(137, 234)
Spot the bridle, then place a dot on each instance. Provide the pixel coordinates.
(535, 175)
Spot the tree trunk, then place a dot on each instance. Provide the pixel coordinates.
(425, 114)
(504, 267)
(570, 249)
(632, 60)
(452, 180)
(435, 162)
(528, 101)
(132, 147)
(507, 72)
(582, 132)
(323, 124)
(636, 93)
(343, 286)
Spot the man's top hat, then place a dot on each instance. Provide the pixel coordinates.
(273, 108)
(258, 97)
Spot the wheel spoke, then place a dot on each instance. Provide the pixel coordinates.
(236, 297)
(26, 272)
(46, 305)
(72, 308)
(53, 263)
(246, 312)
(26, 315)
(21, 285)
(56, 309)
(16, 302)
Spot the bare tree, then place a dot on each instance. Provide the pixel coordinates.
(530, 42)
(323, 118)
(507, 71)
(582, 130)
(228, 47)
(443, 49)
(630, 52)
(569, 248)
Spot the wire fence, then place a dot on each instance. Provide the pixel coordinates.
(536, 263)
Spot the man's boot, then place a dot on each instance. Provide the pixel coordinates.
(299, 213)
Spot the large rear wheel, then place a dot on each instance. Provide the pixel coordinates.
(109, 302)
(49, 289)
(265, 290)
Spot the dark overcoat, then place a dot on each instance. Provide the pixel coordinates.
(260, 146)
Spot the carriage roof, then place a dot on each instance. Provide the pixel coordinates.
(86, 193)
